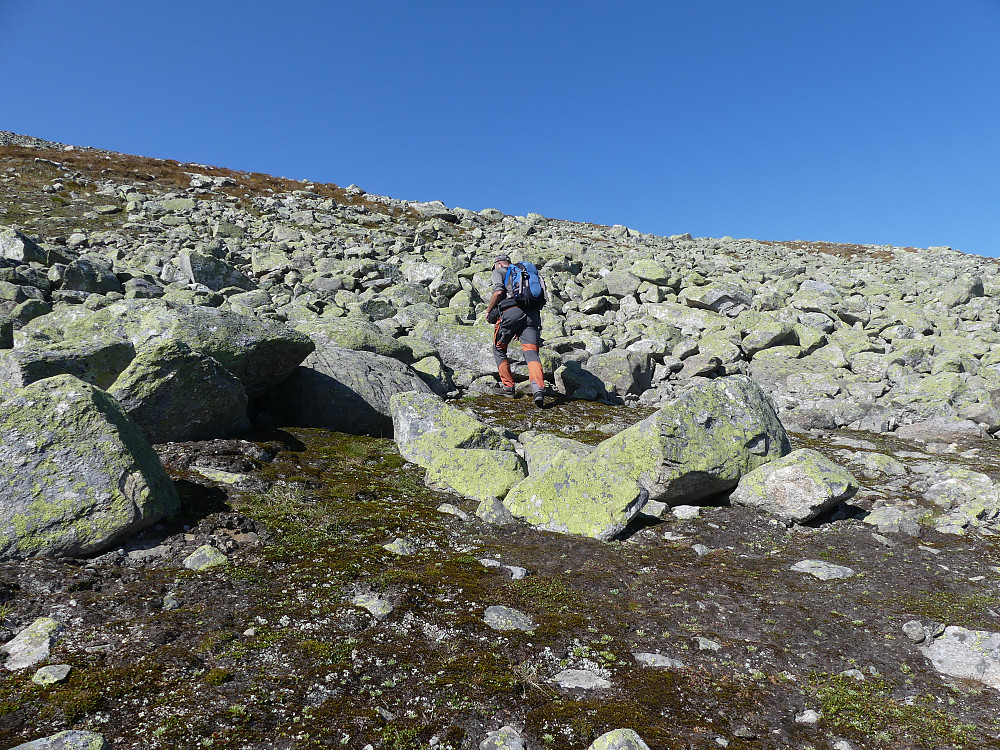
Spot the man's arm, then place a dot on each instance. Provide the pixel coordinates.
(494, 300)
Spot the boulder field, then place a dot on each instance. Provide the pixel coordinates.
(250, 435)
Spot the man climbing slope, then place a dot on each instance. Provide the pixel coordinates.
(515, 309)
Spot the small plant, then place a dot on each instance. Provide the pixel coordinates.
(217, 676)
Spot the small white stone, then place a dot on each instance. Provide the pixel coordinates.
(809, 716)
(686, 512)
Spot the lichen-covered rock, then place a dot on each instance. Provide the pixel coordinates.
(93, 274)
(494, 512)
(73, 739)
(697, 446)
(205, 557)
(966, 654)
(578, 496)
(726, 298)
(76, 474)
(461, 347)
(621, 372)
(31, 645)
(505, 738)
(19, 247)
(701, 443)
(353, 334)
(96, 362)
(342, 389)
(174, 393)
(797, 487)
(541, 448)
(211, 272)
(261, 353)
(619, 739)
(476, 473)
(425, 426)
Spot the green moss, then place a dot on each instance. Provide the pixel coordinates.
(866, 709)
(217, 676)
(972, 610)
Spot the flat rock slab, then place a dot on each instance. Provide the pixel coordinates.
(619, 739)
(507, 618)
(32, 644)
(966, 654)
(657, 661)
(581, 679)
(823, 570)
(71, 740)
(205, 557)
(51, 674)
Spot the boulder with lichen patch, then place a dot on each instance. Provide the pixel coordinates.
(72, 739)
(76, 474)
(697, 446)
(175, 393)
(424, 426)
(475, 473)
(796, 488)
(356, 334)
(96, 362)
(261, 353)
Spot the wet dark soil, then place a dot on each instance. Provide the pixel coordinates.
(268, 651)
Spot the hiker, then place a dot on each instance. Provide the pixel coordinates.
(514, 321)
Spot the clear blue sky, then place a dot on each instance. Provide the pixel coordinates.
(868, 121)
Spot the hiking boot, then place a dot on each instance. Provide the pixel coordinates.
(508, 391)
(539, 399)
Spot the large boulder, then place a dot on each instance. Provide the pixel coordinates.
(577, 496)
(96, 362)
(94, 274)
(541, 449)
(342, 389)
(211, 272)
(476, 473)
(796, 488)
(352, 333)
(19, 247)
(76, 474)
(175, 393)
(461, 347)
(697, 446)
(424, 426)
(702, 443)
(966, 654)
(261, 353)
(621, 372)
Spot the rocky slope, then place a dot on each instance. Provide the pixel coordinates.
(315, 589)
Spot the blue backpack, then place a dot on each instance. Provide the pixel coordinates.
(528, 289)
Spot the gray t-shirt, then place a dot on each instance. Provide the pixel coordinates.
(497, 279)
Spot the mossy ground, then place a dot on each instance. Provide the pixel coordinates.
(268, 651)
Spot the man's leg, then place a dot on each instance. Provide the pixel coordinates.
(530, 341)
(501, 338)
